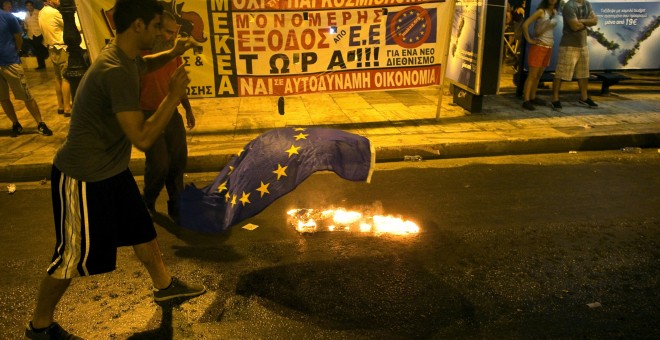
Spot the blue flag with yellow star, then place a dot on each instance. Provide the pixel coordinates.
(270, 166)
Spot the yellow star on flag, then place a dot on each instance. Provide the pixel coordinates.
(263, 189)
(222, 187)
(227, 196)
(245, 198)
(233, 200)
(231, 169)
(281, 171)
(301, 136)
(240, 152)
(299, 129)
(293, 150)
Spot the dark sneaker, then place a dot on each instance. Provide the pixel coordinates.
(527, 105)
(54, 331)
(588, 102)
(16, 129)
(539, 102)
(556, 105)
(43, 129)
(178, 289)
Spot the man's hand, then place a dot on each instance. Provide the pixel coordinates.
(190, 119)
(182, 45)
(179, 82)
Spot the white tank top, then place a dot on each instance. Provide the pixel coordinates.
(546, 25)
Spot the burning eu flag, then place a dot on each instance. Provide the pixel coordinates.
(270, 166)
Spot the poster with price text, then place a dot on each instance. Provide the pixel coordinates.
(627, 36)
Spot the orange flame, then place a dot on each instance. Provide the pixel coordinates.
(311, 220)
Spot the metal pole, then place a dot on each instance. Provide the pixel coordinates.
(77, 66)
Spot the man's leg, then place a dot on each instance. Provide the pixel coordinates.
(62, 86)
(50, 293)
(166, 286)
(149, 254)
(136, 222)
(175, 135)
(40, 52)
(33, 108)
(556, 86)
(6, 78)
(58, 93)
(8, 107)
(583, 84)
(155, 172)
(66, 95)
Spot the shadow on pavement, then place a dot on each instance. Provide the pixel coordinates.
(388, 294)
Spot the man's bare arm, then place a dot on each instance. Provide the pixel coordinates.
(592, 20)
(143, 133)
(158, 60)
(18, 40)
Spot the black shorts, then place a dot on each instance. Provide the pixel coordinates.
(92, 219)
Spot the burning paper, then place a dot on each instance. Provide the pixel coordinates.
(315, 220)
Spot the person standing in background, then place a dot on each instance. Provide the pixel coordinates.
(540, 49)
(573, 51)
(34, 35)
(166, 159)
(12, 75)
(52, 26)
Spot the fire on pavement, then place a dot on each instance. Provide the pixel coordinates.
(306, 220)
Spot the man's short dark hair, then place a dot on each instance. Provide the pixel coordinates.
(127, 11)
(29, 2)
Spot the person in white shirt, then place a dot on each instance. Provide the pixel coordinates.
(35, 38)
(52, 26)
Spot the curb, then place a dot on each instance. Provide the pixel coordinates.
(519, 147)
(215, 162)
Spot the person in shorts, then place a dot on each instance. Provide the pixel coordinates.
(52, 27)
(573, 51)
(97, 205)
(540, 48)
(12, 76)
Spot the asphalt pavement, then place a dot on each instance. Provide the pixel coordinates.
(558, 246)
(399, 123)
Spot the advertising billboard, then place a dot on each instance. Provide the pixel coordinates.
(627, 36)
(464, 55)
